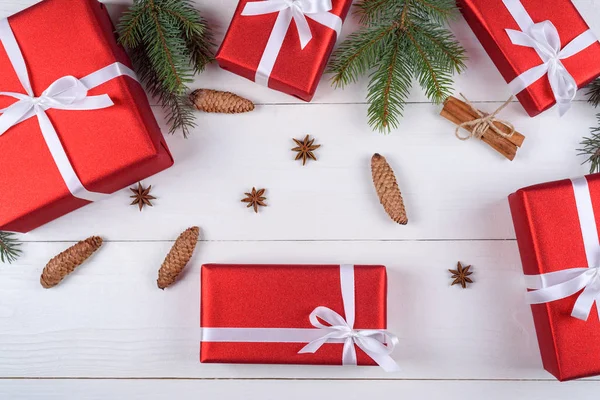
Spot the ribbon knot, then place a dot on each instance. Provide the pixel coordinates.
(376, 343)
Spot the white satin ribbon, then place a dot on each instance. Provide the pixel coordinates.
(66, 93)
(288, 10)
(544, 38)
(561, 284)
(376, 343)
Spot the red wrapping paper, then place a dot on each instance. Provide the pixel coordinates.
(549, 237)
(108, 148)
(490, 18)
(297, 71)
(283, 296)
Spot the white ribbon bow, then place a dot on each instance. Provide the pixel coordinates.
(562, 284)
(66, 93)
(371, 341)
(288, 10)
(376, 343)
(544, 38)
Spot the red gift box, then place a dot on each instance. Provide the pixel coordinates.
(267, 314)
(556, 226)
(251, 41)
(490, 19)
(108, 148)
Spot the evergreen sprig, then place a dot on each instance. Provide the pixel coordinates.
(401, 40)
(9, 247)
(169, 42)
(591, 148)
(591, 145)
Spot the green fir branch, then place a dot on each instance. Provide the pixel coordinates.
(429, 53)
(594, 92)
(168, 41)
(9, 247)
(591, 148)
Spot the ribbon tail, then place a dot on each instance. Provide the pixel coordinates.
(380, 354)
(62, 161)
(303, 28)
(584, 303)
(349, 353)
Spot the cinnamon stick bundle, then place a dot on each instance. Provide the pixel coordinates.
(459, 112)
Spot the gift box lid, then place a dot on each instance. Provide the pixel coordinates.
(108, 148)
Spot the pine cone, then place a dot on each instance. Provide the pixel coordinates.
(64, 263)
(215, 101)
(178, 257)
(387, 189)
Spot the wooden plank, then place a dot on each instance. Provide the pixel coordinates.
(452, 189)
(109, 320)
(292, 390)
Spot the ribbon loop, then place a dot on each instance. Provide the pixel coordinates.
(544, 38)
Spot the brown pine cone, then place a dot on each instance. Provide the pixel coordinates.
(215, 101)
(64, 263)
(387, 189)
(178, 257)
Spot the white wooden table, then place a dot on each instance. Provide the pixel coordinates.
(108, 333)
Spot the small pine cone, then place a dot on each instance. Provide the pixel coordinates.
(64, 263)
(387, 189)
(178, 257)
(215, 101)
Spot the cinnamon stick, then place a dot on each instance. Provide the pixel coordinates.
(517, 139)
(459, 112)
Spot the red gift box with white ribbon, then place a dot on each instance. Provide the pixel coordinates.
(544, 49)
(557, 231)
(295, 314)
(76, 124)
(283, 44)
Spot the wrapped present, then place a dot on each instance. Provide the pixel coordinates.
(76, 125)
(556, 226)
(283, 44)
(543, 49)
(295, 314)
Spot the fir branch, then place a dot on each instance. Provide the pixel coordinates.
(591, 148)
(168, 41)
(356, 55)
(429, 52)
(594, 92)
(389, 88)
(9, 247)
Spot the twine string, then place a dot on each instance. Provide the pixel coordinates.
(484, 122)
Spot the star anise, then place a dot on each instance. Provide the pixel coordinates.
(305, 149)
(461, 275)
(141, 196)
(255, 199)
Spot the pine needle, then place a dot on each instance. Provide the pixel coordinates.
(594, 92)
(400, 40)
(9, 247)
(591, 149)
(169, 42)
